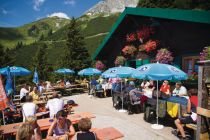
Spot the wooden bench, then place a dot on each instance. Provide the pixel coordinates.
(108, 133)
(205, 114)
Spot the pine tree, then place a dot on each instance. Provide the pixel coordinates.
(41, 62)
(5, 58)
(75, 55)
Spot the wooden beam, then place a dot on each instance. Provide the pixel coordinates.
(200, 96)
(203, 112)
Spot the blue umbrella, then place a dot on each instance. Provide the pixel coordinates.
(15, 71)
(121, 72)
(9, 85)
(36, 77)
(89, 72)
(65, 71)
(158, 71)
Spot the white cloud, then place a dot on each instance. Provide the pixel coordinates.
(59, 14)
(37, 4)
(70, 2)
(4, 11)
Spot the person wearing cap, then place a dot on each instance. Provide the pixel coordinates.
(180, 90)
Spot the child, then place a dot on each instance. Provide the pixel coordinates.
(85, 134)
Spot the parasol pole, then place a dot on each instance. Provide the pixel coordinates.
(157, 126)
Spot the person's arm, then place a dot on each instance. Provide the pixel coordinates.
(72, 131)
(168, 90)
(174, 91)
(183, 92)
(50, 130)
(47, 105)
(37, 133)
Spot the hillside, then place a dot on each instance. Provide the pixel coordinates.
(93, 28)
(28, 33)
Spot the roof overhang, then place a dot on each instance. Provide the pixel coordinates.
(173, 14)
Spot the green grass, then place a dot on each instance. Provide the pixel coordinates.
(9, 37)
(91, 29)
(93, 43)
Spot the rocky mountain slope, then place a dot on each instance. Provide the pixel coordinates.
(111, 6)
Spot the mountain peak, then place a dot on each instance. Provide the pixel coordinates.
(111, 6)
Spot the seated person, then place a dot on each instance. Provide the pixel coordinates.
(49, 87)
(99, 87)
(165, 89)
(32, 120)
(145, 84)
(25, 132)
(130, 87)
(62, 83)
(84, 127)
(23, 93)
(148, 90)
(85, 83)
(42, 87)
(180, 91)
(35, 94)
(68, 84)
(135, 95)
(29, 108)
(54, 105)
(61, 127)
(191, 108)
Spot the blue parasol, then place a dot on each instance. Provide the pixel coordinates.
(65, 71)
(89, 72)
(36, 77)
(14, 71)
(158, 71)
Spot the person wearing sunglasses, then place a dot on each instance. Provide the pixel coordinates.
(165, 90)
(61, 128)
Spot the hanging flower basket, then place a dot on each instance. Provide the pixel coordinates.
(164, 56)
(151, 45)
(144, 33)
(99, 65)
(120, 60)
(131, 37)
(205, 54)
(129, 50)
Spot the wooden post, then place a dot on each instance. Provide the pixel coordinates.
(200, 89)
(203, 74)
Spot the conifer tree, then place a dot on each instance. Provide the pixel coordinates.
(40, 62)
(5, 58)
(75, 54)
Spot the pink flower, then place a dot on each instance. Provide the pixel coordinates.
(164, 56)
(99, 65)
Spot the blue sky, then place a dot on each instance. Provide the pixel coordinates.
(15, 13)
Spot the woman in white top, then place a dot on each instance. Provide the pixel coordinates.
(29, 108)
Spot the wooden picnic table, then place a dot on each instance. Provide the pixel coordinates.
(44, 123)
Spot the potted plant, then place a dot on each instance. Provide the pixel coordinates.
(164, 56)
(129, 50)
(120, 60)
(205, 54)
(151, 45)
(99, 65)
